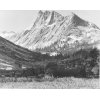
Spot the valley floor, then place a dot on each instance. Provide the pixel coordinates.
(59, 83)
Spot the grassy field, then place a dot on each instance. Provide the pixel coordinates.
(59, 83)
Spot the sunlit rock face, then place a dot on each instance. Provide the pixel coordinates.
(54, 33)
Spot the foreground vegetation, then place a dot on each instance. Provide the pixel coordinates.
(79, 69)
(59, 83)
(83, 63)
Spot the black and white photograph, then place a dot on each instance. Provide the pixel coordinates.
(49, 49)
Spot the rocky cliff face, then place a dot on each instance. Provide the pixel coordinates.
(53, 33)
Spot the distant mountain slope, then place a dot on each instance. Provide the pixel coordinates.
(53, 33)
(13, 56)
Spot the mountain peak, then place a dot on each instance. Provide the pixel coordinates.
(56, 33)
(77, 21)
(55, 17)
(40, 12)
(48, 17)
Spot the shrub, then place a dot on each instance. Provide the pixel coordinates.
(78, 64)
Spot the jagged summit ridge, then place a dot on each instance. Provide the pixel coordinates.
(48, 17)
(78, 21)
(52, 32)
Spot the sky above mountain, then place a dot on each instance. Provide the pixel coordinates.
(19, 20)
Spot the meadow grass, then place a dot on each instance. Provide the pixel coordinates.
(51, 83)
